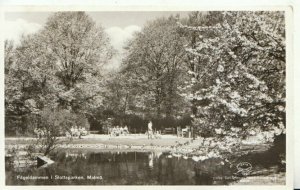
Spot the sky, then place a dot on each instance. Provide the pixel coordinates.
(119, 26)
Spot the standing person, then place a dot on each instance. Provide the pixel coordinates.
(126, 130)
(80, 132)
(72, 131)
(37, 132)
(118, 130)
(150, 131)
(114, 131)
(121, 130)
(76, 131)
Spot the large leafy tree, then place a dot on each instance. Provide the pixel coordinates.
(80, 49)
(59, 67)
(154, 60)
(29, 82)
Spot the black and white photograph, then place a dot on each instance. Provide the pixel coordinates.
(103, 98)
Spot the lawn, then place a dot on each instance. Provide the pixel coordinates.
(165, 140)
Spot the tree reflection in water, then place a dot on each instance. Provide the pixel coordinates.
(126, 168)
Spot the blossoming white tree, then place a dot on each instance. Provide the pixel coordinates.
(241, 80)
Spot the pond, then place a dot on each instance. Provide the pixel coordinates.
(131, 168)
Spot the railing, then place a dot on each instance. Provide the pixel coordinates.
(169, 130)
(93, 132)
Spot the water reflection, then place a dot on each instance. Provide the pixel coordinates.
(151, 157)
(125, 168)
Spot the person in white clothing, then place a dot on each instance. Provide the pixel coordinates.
(150, 131)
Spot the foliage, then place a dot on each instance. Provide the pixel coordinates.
(222, 72)
(152, 67)
(241, 82)
(59, 67)
(54, 123)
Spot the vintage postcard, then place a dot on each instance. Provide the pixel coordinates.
(149, 97)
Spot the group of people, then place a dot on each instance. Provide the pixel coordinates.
(76, 131)
(117, 131)
(39, 132)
